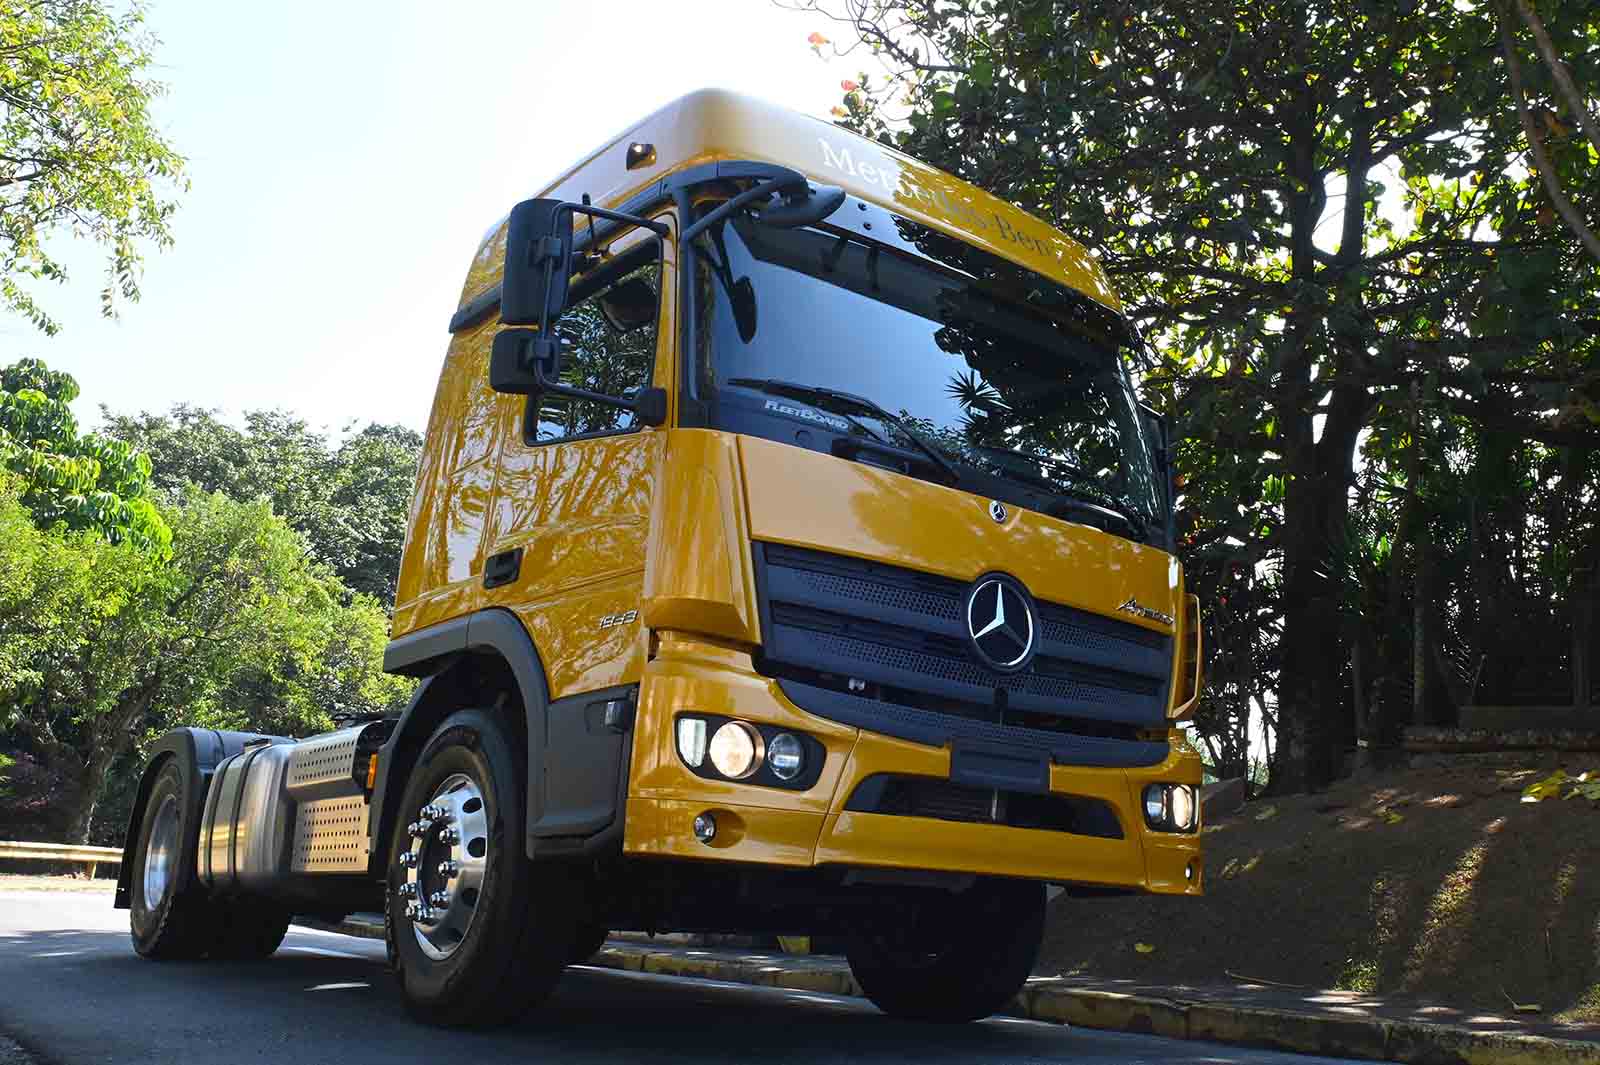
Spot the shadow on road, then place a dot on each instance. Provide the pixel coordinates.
(84, 995)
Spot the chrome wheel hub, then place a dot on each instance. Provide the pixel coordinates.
(161, 853)
(442, 871)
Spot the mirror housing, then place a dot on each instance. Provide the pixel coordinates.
(804, 206)
(538, 262)
(513, 367)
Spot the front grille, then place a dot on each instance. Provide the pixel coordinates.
(898, 795)
(865, 633)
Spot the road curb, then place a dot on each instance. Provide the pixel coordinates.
(1045, 999)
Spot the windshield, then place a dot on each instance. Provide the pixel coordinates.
(933, 344)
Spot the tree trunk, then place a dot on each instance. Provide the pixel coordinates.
(81, 817)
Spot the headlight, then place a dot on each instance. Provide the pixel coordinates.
(1155, 804)
(1171, 807)
(736, 750)
(786, 756)
(1182, 805)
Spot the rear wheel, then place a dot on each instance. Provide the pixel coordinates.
(480, 933)
(955, 960)
(169, 919)
(248, 932)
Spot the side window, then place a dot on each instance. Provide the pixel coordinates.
(610, 331)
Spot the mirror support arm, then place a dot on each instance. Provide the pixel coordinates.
(755, 194)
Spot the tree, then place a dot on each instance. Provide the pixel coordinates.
(1238, 169)
(79, 150)
(83, 482)
(351, 500)
(238, 629)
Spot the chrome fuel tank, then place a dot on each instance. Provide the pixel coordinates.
(281, 809)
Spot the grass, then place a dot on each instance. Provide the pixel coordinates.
(1435, 884)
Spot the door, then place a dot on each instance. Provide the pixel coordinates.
(572, 501)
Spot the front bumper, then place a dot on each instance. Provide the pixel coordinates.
(772, 826)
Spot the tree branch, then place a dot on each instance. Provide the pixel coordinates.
(1547, 170)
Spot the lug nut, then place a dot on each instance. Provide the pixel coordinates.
(449, 837)
(411, 911)
(449, 869)
(408, 891)
(409, 859)
(440, 898)
(425, 914)
(418, 829)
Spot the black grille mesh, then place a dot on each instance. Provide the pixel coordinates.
(900, 637)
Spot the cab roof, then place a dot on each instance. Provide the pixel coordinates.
(713, 125)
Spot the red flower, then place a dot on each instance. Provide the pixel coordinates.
(848, 86)
(816, 40)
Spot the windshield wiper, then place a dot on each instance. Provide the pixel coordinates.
(813, 393)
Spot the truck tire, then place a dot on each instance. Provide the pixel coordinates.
(481, 933)
(248, 931)
(168, 919)
(952, 962)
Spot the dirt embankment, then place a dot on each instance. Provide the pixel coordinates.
(1435, 884)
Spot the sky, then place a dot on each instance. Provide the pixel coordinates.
(346, 156)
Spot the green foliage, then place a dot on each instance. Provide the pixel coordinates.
(79, 150)
(103, 647)
(1324, 218)
(83, 482)
(350, 500)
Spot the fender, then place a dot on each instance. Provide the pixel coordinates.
(197, 752)
(428, 653)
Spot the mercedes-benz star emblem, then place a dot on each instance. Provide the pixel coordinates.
(997, 511)
(1000, 622)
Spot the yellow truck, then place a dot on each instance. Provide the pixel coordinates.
(789, 554)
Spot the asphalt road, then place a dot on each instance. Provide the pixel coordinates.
(72, 991)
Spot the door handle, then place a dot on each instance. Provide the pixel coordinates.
(502, 568)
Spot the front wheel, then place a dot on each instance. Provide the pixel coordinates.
(955, 960)
(480, 933)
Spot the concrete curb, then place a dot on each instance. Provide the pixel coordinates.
(1044, 999)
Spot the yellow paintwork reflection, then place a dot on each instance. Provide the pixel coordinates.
(713, 125)
(781, 827)
(813, 500)
(698, 576)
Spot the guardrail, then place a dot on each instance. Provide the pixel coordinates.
(61, 852)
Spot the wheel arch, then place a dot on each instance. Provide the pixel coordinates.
(469, 661)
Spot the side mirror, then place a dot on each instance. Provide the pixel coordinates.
(538, 262)
(514, 367)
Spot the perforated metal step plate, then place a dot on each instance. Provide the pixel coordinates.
(331, 836)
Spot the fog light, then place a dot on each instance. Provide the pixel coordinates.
(705, 828)
(692, 741)
(786, 756)
(736, 750)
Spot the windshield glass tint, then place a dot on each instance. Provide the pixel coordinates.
(995, 367)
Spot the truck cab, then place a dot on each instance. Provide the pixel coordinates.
(790, 554)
